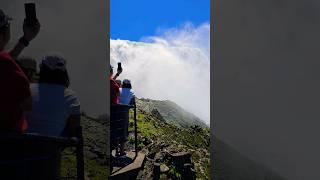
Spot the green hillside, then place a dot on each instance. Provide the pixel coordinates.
(171, 112)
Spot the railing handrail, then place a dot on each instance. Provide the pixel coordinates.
(122, 105)
(25, 137)
(63, 141)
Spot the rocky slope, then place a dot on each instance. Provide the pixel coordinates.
(160, 138)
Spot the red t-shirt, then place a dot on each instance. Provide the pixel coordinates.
(14, 89)
(114, 91)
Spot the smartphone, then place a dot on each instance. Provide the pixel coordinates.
(31, 16)
(119, 66)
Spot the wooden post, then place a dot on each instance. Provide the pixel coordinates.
(80, 156)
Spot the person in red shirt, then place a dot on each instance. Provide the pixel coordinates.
(114, 87)
(15, 96)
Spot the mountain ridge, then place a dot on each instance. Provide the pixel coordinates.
(171, 112)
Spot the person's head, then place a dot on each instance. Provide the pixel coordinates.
(53, 70)
(29, 66)
(111, 71)
(126, 84)
(4, 30)
(118, 82)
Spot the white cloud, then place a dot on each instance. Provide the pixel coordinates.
(174, 65)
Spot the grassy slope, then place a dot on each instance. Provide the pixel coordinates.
(173, 138)
(95, 146)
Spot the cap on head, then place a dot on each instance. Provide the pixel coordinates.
(54, 62)
(4, 20)
(126, 81)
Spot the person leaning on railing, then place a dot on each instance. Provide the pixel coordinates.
(56, 112)
(15, 96)
(56, 108)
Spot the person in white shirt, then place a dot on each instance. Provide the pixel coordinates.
(56, 108)
(126, 93)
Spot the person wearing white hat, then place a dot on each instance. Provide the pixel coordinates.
(126, 93)
(56, 108)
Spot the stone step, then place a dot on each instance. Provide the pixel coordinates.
(131, 170)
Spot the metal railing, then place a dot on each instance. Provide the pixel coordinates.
(19, 150)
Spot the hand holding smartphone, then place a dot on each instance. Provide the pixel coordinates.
(31, 16)
(31, 26)
(119, 70)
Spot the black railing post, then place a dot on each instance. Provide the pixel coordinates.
(135, 129)
(80, 156)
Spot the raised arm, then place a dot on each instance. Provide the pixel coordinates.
(29, 33)
(119, 71)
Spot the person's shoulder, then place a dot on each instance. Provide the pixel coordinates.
(4, 56)
(69, 92)
(6, 61)
(112, 81)
(71, 97)
(114, 84)
(131, 91)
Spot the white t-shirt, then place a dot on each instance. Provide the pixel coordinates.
(126, 95)
(52, 105)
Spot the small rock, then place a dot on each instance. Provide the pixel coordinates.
(164, 168)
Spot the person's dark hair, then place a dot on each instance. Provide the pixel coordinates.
(54, 76)
(126, 85)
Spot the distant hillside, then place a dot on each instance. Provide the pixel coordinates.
(171, 112)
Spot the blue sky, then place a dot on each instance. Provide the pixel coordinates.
(134, 19)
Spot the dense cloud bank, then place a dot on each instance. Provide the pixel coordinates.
(173, 65)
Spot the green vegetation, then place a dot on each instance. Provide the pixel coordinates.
(152, 127)
(155, 133)
(95, 150)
